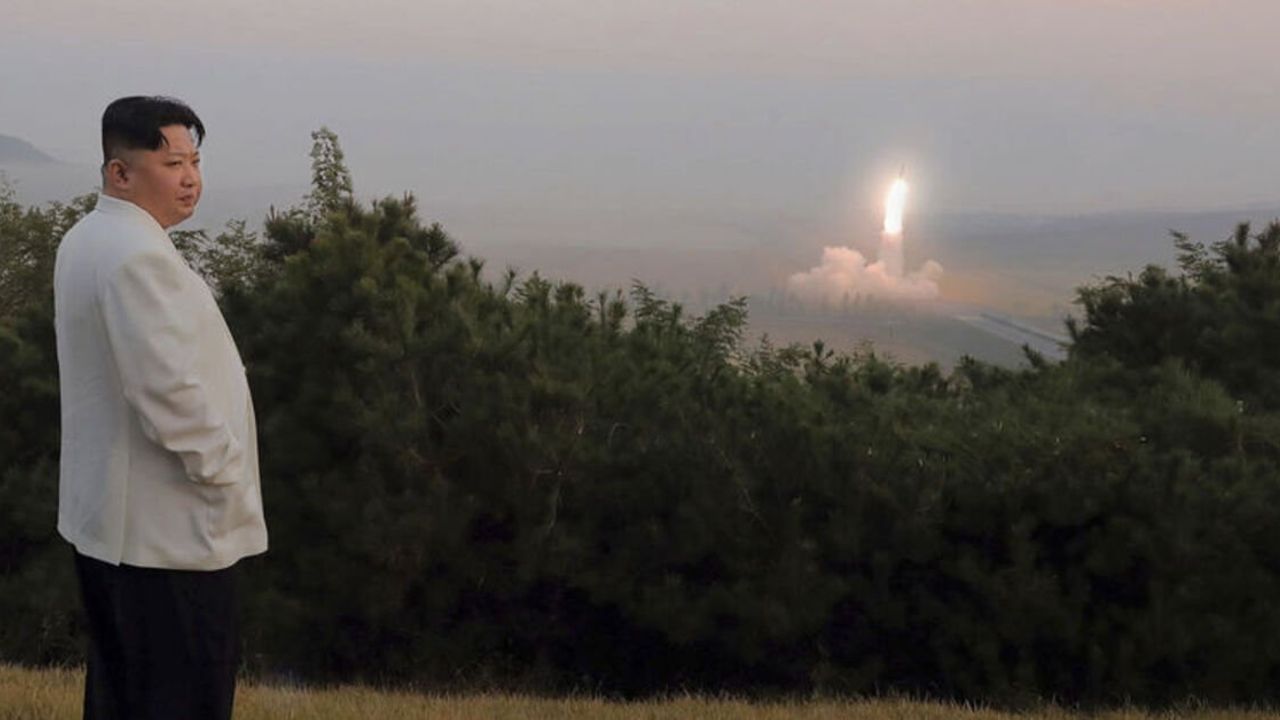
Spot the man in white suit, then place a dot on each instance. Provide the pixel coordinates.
(158, 486)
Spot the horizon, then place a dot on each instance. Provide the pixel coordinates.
(1028, 265)
(19, 172)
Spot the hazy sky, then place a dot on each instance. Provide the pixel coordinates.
(799, 107)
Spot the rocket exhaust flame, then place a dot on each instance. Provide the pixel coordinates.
(891, 254)
(894, 207)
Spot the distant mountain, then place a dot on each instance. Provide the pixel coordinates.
(17, 150)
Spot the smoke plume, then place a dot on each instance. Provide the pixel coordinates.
(845, 274)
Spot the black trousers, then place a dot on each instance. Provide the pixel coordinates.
(162, 643)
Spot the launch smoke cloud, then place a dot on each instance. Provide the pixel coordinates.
(845, 274)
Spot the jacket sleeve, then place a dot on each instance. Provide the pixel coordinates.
(151, 311)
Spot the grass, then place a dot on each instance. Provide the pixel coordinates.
(27, 694)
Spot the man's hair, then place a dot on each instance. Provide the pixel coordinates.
(133, 123)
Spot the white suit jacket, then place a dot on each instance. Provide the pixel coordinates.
(159, 461)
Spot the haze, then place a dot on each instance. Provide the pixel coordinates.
(676, 123)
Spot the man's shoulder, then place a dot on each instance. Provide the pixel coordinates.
(113, 238)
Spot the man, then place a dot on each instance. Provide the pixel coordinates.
(158, 487)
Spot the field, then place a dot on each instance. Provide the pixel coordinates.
(55, 695)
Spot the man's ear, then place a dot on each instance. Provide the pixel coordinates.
(115, 174)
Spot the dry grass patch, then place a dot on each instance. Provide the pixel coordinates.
(27, 694)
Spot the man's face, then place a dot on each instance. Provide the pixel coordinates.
(166, 181)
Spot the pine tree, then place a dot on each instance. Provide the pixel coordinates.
(331, 186)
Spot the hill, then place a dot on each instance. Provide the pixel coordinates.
(17, 150)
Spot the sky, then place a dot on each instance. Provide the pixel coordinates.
(721, 110)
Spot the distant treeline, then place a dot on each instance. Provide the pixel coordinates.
(475, 483)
